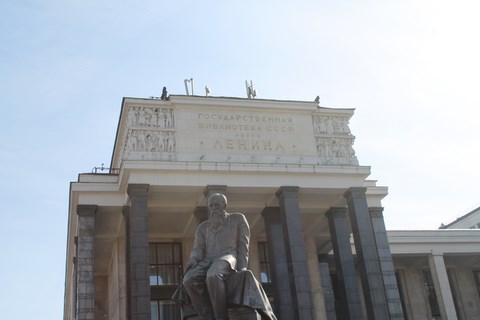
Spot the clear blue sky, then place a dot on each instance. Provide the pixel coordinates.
(410, 68)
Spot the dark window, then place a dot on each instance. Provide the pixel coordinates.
(476, 274)
(165, 264)
(166, 272)
(265, 274)
(432, 297)
(452, 281)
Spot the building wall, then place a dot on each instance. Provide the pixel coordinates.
(468, 298)
(116, 283)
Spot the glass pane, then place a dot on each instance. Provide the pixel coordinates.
(154, 310)
(261, 251)
(264, 275)
(430, 289)
(164, 254)
(176, 253)
(152, 254)
(153, 275)
(166, 275)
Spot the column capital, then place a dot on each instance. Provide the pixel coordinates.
(269, 212)
(287, 192)
(336, 212)
(211, 189)
(85, 210)
(376, 212)
(436, 253)
(201, 213)
(355, 192)
(137, 189)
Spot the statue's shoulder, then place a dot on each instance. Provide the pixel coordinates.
(237, 216)
(203, 225)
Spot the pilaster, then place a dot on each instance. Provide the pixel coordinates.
(327, 289)
(344, 262)
(85, 304)
(367, 255)
(442, 286)
(296, 253)
(315, 279)
(138, 253)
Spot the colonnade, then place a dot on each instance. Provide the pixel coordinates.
(289, 259)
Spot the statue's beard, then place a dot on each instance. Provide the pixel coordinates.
(217, 218)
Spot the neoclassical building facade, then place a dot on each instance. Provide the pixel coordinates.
(318, 240)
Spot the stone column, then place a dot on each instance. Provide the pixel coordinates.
(85, 309)
(386, 264)
(201, 214)
(327, 289)
(367, 255)
(344, 262)
(283, 303)
(296, 253)
(138, 253)
(315, 279)
(442, 286)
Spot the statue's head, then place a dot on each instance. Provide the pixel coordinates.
(217, 203)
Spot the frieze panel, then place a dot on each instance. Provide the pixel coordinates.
(150, 141)
(151, 117)
(334, 140)
(336, 151)
(330, 125)
(150, 134)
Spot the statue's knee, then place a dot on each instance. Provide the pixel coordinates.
(214, 277)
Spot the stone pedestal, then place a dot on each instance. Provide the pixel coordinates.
(234, 313)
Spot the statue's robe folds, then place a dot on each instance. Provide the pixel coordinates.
(242, 290)
(226, 241)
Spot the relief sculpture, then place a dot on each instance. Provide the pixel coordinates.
(150, 117)
(334, 140)
(150, 133)
(330, 125)
(150, 141)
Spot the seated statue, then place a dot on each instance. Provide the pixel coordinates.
(216, 274)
